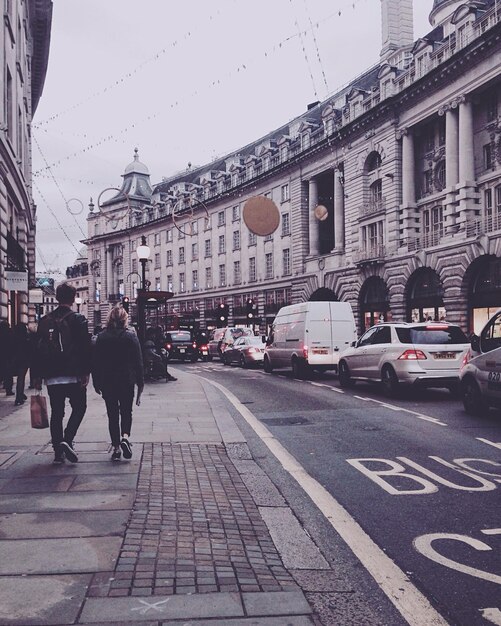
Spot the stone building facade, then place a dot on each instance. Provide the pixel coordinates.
(406, 161)
(23, 59)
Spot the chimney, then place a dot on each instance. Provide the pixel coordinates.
(397, 26)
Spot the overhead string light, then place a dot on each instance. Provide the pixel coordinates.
(308, 65)
(312, 30)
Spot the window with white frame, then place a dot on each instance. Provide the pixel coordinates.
(208, 277)
(168, 235)
(235, 213)
(207, 223)
(194, 228)
(252, 239)
(268, 238)
(170, 283)
(221, 218)
(372, 236)
(157, 239)
(286, 262)
(181, 254)
(433, 225)
(222, 275)
(236, 240)
(194, 251)
(284, 193)
(221, 245)
(133, 245)
(208, 248)
(158, 286)
(237, 274)
(182, 283)
(169, 258)
(286, 224)
(252, 269)
(157, 261)
(194, 280)
(268, 259)
(134, 265)
(487, 151)
(180, 233)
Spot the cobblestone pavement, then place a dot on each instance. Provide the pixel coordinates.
(194, 528)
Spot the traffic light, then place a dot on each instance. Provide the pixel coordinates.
(125, 303)
(249, 309)
(222, 315)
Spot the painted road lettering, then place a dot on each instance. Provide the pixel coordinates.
(404, 477)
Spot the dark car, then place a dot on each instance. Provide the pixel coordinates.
(181, 346)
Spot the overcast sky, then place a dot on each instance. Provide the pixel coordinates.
(185, 82)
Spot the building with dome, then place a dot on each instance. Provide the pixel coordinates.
(388, 194)
(24, 56)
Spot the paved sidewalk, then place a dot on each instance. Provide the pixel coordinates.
(181, 534)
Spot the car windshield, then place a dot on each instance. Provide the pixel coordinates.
(254, 341)
(176, 337)
(429, 335)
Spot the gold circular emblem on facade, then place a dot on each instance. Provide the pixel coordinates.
(261, 215)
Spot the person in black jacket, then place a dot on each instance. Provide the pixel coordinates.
(62, 358)
(6, 357)
(22, 359)
(117, 369)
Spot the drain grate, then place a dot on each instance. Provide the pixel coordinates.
(286, 421)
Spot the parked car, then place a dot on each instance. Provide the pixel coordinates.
(480, 375)
(309, 335)
(181, 346)
(245, 351)
(428, 354)
(221, 338)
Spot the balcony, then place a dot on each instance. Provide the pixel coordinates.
(427, 240)
(15, 255)
(370, 256)
(371, 208)
(488, 224)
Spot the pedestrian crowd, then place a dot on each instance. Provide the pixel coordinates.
(62, 353)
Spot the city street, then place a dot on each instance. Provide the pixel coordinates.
(418, 475)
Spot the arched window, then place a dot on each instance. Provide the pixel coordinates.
(374, 302)
(440, 175)
(425, 296)
(373, 162)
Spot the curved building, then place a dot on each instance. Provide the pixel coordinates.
(405, 161)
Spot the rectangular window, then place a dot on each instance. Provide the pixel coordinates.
(235, 213)
(208, 277)
(134, 265)
(269, 265)
(194, 251)
(180, 233)
(157, 261)
(169, 258)
(194, 228)
(194, 280)
(96, 228)
(182, 284)
(284, 193)
(208, 248)
(237, 274)
(157, 239)
(252, 239)
(433, 226)
(286, 224)
(133, 245)
(19, 134)
(252, 269)
(158, 286)
(207, 223)
(487, 156)
(221, 248)
(168, 235)
(181, 254)
(268, 238)
(8, 104)
(221, 218)
(491, 107)
(286, 262)
(236, 240)
(170, 283)
(222, 275)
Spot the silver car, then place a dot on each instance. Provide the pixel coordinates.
(428, 354)
(245, 351)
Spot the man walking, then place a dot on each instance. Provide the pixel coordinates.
(63, 359)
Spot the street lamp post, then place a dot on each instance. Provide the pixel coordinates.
(78, 302)
(143, 254)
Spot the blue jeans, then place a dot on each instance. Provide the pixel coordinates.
(77, 395)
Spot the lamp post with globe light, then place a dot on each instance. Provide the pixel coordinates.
(78, 302)
(143, 254)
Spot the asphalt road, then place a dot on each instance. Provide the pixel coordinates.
(419, 476)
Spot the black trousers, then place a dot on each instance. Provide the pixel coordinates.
(119, 401)
(77, 395)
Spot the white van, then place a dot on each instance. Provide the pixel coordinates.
(309, 335)
(480, 375)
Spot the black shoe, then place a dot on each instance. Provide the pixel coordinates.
(10, 393)
(126, 448)
(67, 449)
(58, 458)
(18, 402)
(169, 377)
(25, 397)
(116, 455)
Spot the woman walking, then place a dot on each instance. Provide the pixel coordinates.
(117, 368)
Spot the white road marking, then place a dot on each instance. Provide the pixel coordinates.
(490, 443)
(492, 615)
(393, 407)
(410, 602)
(491, 531)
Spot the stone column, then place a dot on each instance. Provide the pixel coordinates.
(338, 212)
(312, 220)
(408, 173)
(109, 272)
(451, 165)
(466, 154)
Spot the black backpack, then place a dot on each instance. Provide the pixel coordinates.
(55, 345)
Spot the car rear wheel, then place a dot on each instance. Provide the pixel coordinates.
(225, 360)
(473, 402)
(267, 365)
(390, 381)
(298, 368)
(243, 362)
(345, 379)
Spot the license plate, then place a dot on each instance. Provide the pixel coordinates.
(445, 355)
(182, 350)
(320, 351)
(204, 351)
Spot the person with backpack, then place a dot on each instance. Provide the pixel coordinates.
(117, 368)
(63, 358)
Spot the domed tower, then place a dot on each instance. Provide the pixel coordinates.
(136, 179)
(442, 9)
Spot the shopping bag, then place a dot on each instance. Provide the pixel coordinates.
(39, 417)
